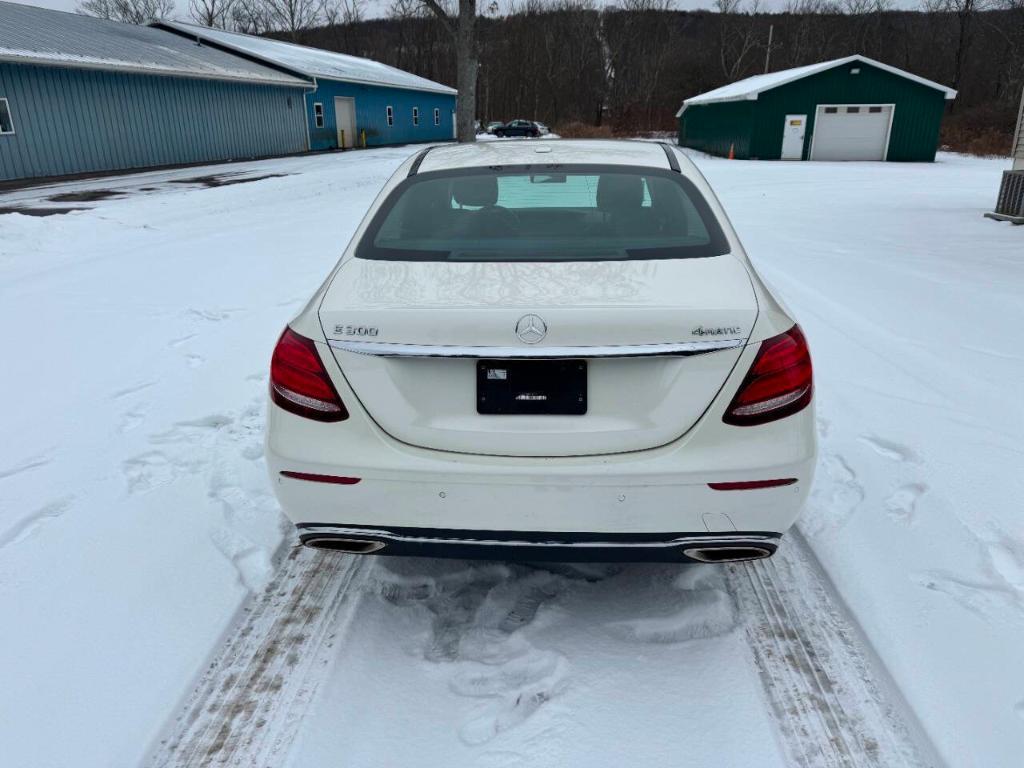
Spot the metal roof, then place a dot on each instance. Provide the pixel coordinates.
(31, 35)
(311, 62)
(751, 87)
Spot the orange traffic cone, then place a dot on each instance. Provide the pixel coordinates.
(732, 151)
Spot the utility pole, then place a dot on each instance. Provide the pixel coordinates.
(768, 53)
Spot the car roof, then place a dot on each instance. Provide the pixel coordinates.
(485, 154)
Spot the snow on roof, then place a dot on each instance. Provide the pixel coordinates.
(34, 35)
(312, 62)
(558, 152)
(751, 87)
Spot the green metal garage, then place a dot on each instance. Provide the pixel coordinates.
(853, 108)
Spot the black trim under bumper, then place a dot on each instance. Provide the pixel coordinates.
(542, 545)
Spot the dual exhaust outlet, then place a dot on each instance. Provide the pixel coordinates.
(350, 546)
(726, 553)
(708, 553)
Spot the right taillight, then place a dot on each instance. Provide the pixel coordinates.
(779, 382)
(299, 382)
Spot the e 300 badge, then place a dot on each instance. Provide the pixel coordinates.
(355, 330)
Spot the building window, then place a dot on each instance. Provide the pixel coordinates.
(415, 115)
(6, 121)
(831, 110)
(391, 116)
(875, 110)
(318, 114)
(437, 116)
(852, 110)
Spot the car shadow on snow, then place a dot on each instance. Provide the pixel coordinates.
(638, 602)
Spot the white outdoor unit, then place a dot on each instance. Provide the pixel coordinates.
(1010, 205)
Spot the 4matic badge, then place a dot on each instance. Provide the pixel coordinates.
(719, 330)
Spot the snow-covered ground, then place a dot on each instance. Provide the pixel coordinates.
(911, 301)
(135, 512)
(136, 523)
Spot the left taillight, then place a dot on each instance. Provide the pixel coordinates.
(780, 382)
(299, 382)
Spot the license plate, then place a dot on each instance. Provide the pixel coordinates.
(531, 387)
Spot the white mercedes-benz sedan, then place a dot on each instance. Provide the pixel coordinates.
(545, 351)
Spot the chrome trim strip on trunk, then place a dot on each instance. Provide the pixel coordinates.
(678, 349)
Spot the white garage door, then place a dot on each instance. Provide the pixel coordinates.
(851, 132)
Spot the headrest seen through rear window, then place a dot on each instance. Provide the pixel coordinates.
(619, 192)
(476, 191)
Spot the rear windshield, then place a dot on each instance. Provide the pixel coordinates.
(544, 214)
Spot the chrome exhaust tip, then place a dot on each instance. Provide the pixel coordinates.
(727, 553)
(338, 544)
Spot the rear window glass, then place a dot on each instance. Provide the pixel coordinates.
(550, 214)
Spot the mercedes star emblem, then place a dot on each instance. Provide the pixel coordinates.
(530, 329)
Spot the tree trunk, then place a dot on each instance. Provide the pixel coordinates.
(465, 49)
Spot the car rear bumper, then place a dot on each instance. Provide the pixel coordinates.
(600, 501)
(539, 545)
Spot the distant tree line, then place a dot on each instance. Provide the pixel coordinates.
(627, 68)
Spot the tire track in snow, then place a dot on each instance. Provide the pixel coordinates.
(248, 704)
(834, 708)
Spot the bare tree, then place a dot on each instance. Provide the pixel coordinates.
(867, 18)
(292, 15)
(815, 30)
(128, 11)
(406, 15)
(339, 18)
(737, 35)
(638, 47)
(406, 9)
(966, 12)
(210, 13)
(462, 28)
(1009, 78)
(249, 16)
(863, 7)
(335, 12)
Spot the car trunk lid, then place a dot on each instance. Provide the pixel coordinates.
(408, 336)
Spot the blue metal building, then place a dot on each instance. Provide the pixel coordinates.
(83, 95)
(355, 100)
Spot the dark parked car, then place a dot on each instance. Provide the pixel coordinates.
(518, 128)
